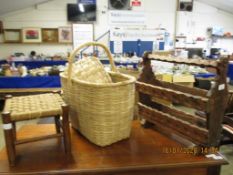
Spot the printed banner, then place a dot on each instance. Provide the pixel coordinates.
(82, 33)
(127, 18)
(126, 34)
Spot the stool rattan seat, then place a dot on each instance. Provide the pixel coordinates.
(31, 107)
(34, 106)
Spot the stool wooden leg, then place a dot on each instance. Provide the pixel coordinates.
(66, 128)
(14, 130)
(9, 138)
(57, 124)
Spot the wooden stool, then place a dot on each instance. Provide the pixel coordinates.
(31, 107)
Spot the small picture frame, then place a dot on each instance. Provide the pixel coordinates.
(50, 35)
(12, 35)
(31, 35)
(65, 34)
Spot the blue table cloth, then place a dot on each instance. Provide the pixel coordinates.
(3, 62)
(205, 75)
(30, 82)
(230, 72)
(38, 64)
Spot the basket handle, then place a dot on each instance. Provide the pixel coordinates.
(77, 50)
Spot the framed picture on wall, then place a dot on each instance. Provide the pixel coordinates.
(49, 35)
(31, 35)
(12, 35)
(65, 34)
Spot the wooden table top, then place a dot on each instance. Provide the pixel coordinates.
(25, 91)
(145, 150)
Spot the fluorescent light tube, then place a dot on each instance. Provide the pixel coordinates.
(81, 7)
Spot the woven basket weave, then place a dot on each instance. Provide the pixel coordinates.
(102, 112)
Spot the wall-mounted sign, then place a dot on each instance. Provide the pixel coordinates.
(127, 18)
(127, 34)
(136, 3)
(118, 47)
(82, 33)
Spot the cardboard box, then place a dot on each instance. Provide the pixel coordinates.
(184, 80)
(187, 84)
(164, 77)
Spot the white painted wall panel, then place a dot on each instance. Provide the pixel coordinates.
(158, 12)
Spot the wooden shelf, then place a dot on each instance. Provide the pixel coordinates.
(224, 37)
(180, 47)
(181, 36)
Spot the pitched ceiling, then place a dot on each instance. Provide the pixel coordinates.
(13, 5)
(225, 5)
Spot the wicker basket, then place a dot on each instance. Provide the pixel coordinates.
(102, 112)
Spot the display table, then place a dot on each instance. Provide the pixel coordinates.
(37, 64)
(145, 153)
(2, 61)
(22, 85)
(40, 63)
(203, 80)
(30, 82)
(205, 75)
(230, 71)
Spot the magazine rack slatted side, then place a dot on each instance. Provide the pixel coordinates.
(202, 131)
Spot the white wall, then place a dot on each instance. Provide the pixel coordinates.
(49, 15)
(195, 24)
(158, 13)
(53, 14)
